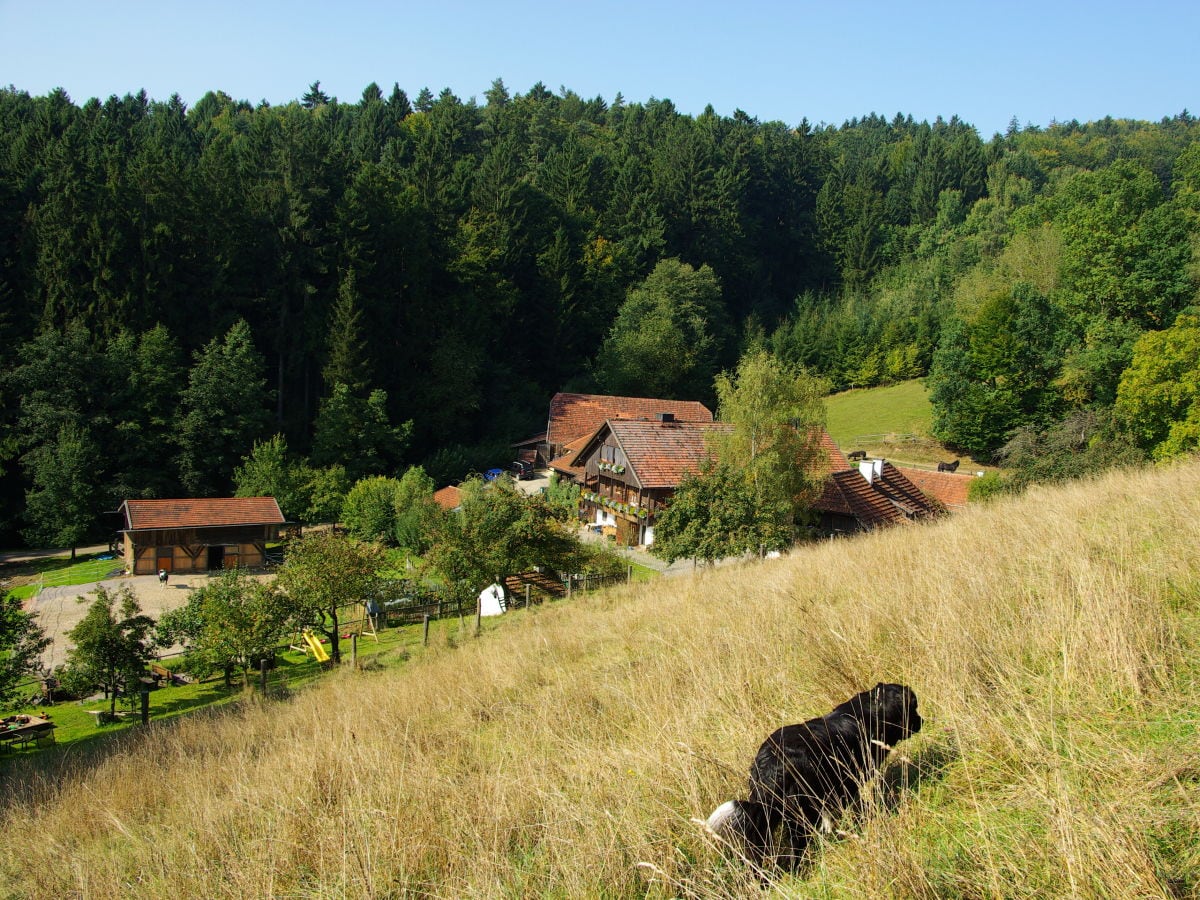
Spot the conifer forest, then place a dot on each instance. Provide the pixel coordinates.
(382, 283)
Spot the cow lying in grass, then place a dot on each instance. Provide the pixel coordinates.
(805, 775)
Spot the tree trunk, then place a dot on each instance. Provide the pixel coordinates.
(334, 651)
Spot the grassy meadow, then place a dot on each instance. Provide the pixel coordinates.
(891, 422)
(1053, 640)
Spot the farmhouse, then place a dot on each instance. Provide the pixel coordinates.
(198, 535)
(628, 468)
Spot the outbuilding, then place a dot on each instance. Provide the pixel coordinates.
(198, 535)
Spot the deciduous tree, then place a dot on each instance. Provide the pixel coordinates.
(232, 622)
(112, 643)
(668, 337)
(323, 572)
(498, 532)
(21, 646)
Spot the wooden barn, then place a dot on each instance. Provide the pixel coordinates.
(198, 535)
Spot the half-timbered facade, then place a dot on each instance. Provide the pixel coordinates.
(198, 535)
(628, 469)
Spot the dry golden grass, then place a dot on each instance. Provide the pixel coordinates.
(1051, 639)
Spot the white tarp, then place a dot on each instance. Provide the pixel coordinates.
(491, 601)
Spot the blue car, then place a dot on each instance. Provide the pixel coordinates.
(492, 474)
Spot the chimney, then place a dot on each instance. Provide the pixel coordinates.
(871, 470)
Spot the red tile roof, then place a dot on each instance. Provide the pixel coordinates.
(448, 498)
(849, 494)
(948, 488)
(141, 515)
(661, 453)
(573, 416)
(834, 456)
(567, 463)
(889, 498)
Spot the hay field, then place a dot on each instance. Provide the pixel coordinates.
(1052, 639)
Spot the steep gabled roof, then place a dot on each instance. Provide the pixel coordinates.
(834, 456)
(146, 515)
(573, 416)
(659, 453)
(888, 498)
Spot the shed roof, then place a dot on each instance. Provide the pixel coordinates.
(147, 515)
(448, 498)
(569, 463)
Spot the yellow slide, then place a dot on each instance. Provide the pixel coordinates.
(315, 647)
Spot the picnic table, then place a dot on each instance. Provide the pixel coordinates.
(24, 730)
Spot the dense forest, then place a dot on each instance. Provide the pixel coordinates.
(371, 285)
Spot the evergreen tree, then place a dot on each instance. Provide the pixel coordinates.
(222, 412)
(355, 432)
(63, 506)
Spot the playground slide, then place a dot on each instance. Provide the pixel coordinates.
(315, 647)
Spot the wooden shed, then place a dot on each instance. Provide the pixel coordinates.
(198, 535)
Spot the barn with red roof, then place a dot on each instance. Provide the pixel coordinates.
(198, 535)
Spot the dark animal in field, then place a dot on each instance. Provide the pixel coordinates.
(805, 775)
(948, 467)
(162, 576)
(857, 454)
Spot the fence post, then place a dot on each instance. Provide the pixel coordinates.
(629, 575)
(570, 585)
(425, 636)
(527, 589)
(262, 674)
(478, 615)
(354, 650)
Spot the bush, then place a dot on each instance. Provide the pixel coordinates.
(988, 486)
(369, 512)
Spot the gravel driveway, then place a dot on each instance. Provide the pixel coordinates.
(58, 609)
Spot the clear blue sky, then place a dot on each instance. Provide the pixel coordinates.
(825, 61)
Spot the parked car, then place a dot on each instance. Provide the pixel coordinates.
(492, 474)
(522, 470)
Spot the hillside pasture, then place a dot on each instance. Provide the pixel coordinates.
(892, 422)
(1053, 640)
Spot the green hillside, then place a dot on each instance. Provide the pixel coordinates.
(891, 422)
(1053, 640)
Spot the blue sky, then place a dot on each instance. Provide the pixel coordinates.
(824, 61)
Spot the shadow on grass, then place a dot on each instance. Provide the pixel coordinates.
(907, 775)
(50, 564)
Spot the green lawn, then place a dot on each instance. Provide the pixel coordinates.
(56, 571)
(892, 422)
(896, 409)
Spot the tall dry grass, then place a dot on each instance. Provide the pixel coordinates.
(1051, 639)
